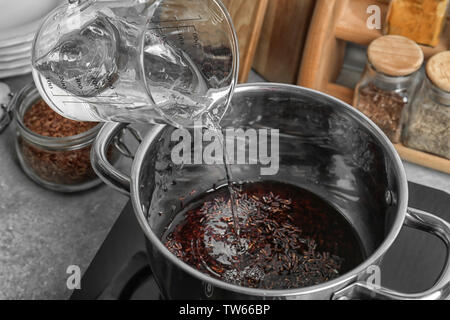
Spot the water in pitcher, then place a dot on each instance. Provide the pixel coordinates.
(119, 66)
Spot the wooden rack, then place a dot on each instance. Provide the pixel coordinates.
(336, 22)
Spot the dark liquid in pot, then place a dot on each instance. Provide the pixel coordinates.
(289, 237)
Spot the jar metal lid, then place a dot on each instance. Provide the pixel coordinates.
(395, 56)
(438, 70)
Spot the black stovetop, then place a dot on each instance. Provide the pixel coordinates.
(120, 270)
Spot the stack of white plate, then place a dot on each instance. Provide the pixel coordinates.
(19, 21)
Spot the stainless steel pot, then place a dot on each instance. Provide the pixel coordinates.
(326, 147)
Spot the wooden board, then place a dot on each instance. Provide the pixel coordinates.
(324, 53)
(282, 39)
(336, 22)
(248, 18)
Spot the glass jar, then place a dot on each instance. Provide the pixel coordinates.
(389, 83)
(421, 21)
(383, 99)
(59, 164)
(428, 125)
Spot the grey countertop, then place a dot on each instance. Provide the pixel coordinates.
(43, 232)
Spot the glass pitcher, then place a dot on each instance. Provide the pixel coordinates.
(154, 61)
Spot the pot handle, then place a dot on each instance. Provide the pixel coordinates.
(419, 220)
(104, 169)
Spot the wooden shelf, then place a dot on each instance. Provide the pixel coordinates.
(343, 93)
(334, 23)
(423, 159)
(351, 26)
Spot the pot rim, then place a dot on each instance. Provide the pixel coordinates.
(337, 283)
